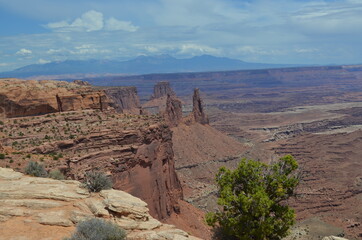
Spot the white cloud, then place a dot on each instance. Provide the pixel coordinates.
(43, 61)
(151, 49)
(113, 24)
(295, 31)
(24, 52)
(4, 64)
(88, 22)
(197, 49)
(252, 50)
(92, 21)
(336, 18)
(306, 50)
(54, 51)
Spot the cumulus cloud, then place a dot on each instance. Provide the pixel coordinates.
(113, 24)
(88, 22)
(294, 31)
(92, 21)
(24, 52)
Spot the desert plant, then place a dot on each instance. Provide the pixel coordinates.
(35, 169)
(98, 229)
(56, 174)
(253, 200)
(96, 181)
(2, 156)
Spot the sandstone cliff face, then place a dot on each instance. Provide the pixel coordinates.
(198, 108)
(136, 150)
(162, 89)
(125, 99)
(20, 98)
(41, 208)
(140, 161)
(173, 112)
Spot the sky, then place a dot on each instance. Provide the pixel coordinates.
(266, 31)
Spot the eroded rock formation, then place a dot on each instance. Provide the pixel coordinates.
(141, 162)
(20, 98)
(162, 89)
(43, 208)
(173, 112)
(81, 83)
(198, 111)
(125, 99)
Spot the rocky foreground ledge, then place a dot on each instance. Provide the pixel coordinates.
(46, 209)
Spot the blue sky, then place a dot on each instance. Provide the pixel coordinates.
(278, 31)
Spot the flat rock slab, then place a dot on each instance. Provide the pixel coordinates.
(46, 209)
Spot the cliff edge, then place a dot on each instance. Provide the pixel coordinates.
(43, 208)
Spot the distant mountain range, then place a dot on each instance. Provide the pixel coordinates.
(139, 65)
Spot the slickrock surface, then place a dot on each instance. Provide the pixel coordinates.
(42, 208)
(25, 98)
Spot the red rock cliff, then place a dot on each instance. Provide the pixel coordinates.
(162, 89)
(20, 98)
(173, 112)
(125, 99)
(198, 108)
(139, 158)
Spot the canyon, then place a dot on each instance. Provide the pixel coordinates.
(135, 150)
(166, 145)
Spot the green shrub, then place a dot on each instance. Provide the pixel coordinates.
(98, 229)
(252, 199)
(35, 169)
(97, 181)
(1, 123)
(2, 156)
(56, 174)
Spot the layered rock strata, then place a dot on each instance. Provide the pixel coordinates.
(139, 158)
(125, 99)
(20, 98)
(42, 208)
